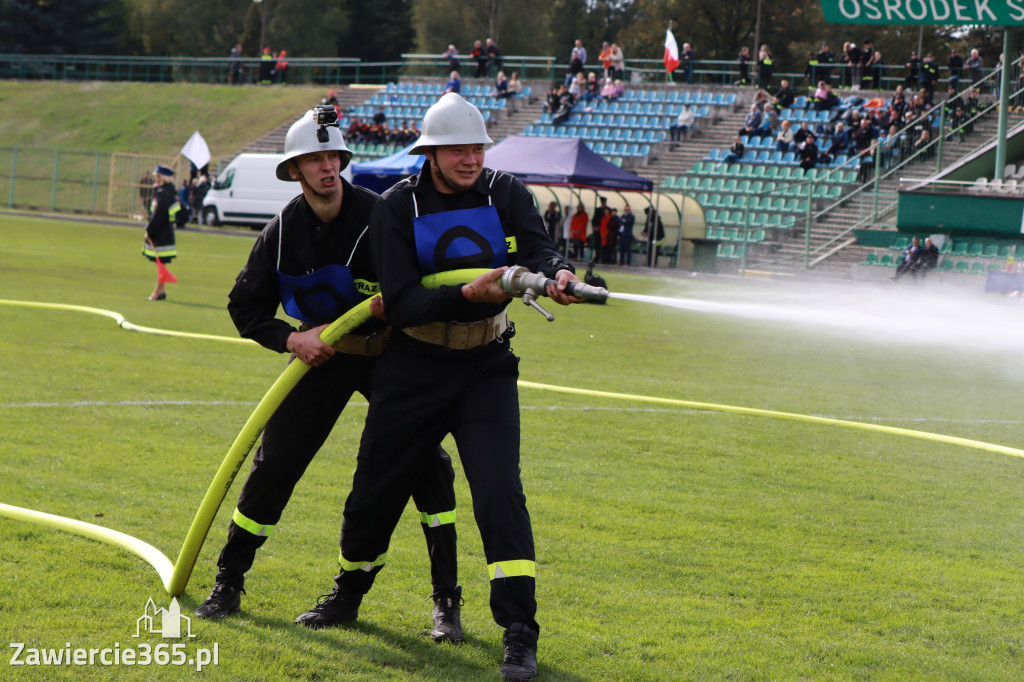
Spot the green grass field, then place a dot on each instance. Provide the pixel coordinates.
(672, 543)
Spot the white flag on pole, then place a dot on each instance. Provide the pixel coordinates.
(196, 151)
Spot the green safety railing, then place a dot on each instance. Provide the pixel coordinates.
(54, 180)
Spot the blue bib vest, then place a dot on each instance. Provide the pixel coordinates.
(320, 296)
(454, 240)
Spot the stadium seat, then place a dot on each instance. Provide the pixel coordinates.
(886, 260)
(976, 250)
(961, 266)
(977, 268)
(991, 251)
(946, 265)
(870, 259)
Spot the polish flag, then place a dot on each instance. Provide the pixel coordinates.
(671, 52)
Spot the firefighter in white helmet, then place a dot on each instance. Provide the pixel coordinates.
(313, 259)
(450, 368)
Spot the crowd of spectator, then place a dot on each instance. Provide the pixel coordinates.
(377, 131)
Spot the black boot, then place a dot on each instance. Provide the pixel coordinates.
(226, 598)
(447, 621)
(331, 609)
(520, 653)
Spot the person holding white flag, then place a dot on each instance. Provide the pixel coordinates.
(196, 151)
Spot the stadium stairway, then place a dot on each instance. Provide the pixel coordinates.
(272, 142)
(788, 252)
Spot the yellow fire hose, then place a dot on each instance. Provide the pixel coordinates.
(175, 576)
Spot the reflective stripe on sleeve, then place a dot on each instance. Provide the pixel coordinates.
(439, 519)
(367, 566)
(245, 523)
(512, 569)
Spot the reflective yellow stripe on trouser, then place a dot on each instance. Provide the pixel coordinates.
(512, 569)
(245, 523)
(439, 519)
(352, 566)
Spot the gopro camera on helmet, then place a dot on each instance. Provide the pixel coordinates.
(323, 116)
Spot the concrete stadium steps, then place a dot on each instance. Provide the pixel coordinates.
(787, 254)
(272, 142)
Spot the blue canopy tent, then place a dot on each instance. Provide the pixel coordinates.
(380, 174)
(561, 161)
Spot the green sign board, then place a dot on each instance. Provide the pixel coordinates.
(930, 12)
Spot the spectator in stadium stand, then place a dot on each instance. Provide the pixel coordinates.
(501, 86)
(929, 74)
(911, 259)
(597, 224)
(552, 219)
(765, 67)
(576, 88)
(618, 62)
(235, 64)
(581, 51)
(578, 232)
(615, 93)
(331, 99)
(784, 139)
(682, 126)
(784, 98)
(282, 66)
(808, 153)
(863, 144)
(867, 65)
(890, 147)
(266, 67)
(956, 68)
(929, 257)
(825, 98)
(825, 60)
(576, 61)
(605, 57)
(480, 57)
(975, 67)
(515, 86)
(752, 122)
(608, 91)
(592, 90)
(687, 58)
(876, 71)
(744, 66)
(851, 57)
(452, 55)
(565, 104)
(840, 141)
(811, 70)
(769, 121)
(610, 237)
(735, 152)
(801, 133)
(626, 237)
(913, 69)
(380, 118)
(495, 62)
(453, 84)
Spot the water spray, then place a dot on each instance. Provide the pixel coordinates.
(519, 282)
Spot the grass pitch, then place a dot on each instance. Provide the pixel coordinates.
(671, 543)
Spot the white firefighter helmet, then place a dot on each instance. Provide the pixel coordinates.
(302, 139)
(451, 120)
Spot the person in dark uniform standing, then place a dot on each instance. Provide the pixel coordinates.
(450, 368)
(313, 259)
(163, 212)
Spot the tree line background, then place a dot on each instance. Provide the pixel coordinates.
(382, 30)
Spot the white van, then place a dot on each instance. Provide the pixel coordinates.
(248, 192)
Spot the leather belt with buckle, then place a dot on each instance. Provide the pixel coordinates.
(461, 335)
